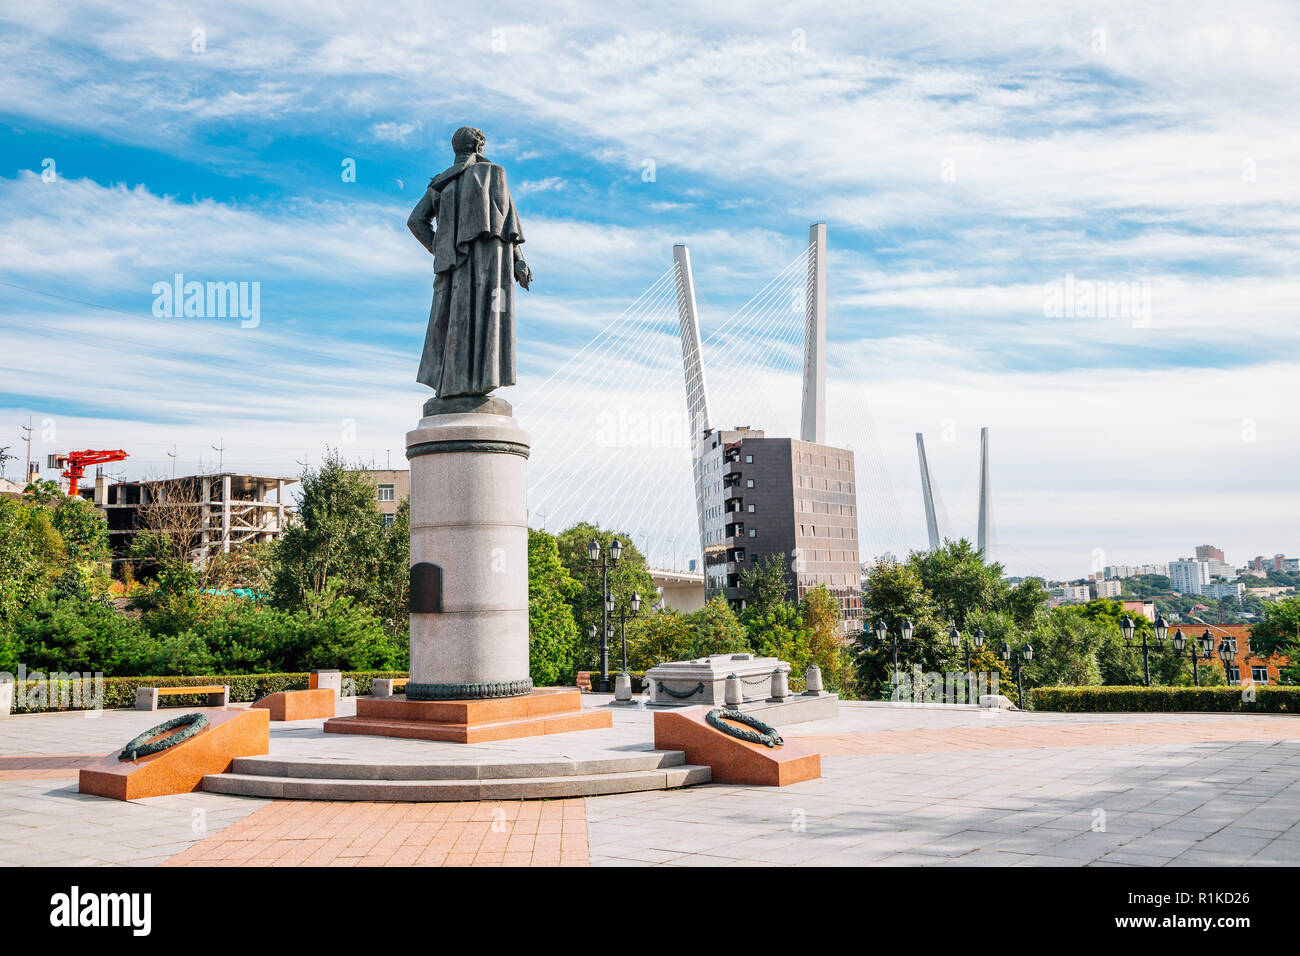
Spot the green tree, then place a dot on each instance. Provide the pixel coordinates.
(630, 575)
(1145, 586)
(766, 585)
(336, 543)
(821, 622)
(1000, 627)
(74, 634)
(1279, 631)
(32, 554)
(658, 638)
(42, 491)
(717, 630)
(1027, 601)
(392, 587)
(552, 632)
(84, 531)
(895, 593)
(958, 580)
(782, 633)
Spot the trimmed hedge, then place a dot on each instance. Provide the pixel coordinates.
(119, 692)
(1102, 699)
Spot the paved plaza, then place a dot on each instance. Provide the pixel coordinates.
(915, 786)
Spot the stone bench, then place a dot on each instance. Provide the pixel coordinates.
(387, 686)
(146, 698)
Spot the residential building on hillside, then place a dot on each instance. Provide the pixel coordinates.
(392, 487)
(1109, 588)
(1204, 552)
(1224, 589)
(1072, 593)
(1188, 576)
(1146, 608)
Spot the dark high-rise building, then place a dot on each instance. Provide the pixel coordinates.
(758, 496)
(761, 497)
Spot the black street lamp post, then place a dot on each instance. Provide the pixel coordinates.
(882, 633)
(955, 639)
(606, 559)
(634, 605)
(1127, 628)
(1227, 651)
(1026, 654)
(1205, 646)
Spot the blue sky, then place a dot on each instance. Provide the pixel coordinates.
(963, 162)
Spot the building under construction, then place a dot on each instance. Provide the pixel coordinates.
(217, 513)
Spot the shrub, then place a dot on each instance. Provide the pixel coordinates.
(1101, 699)
(215, 635)
(74, 635)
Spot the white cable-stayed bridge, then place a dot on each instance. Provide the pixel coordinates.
(613, 428)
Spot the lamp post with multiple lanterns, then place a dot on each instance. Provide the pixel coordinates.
(633, 605)
(1127, 628)
(605, 560)
(883, 634)
(1227, 651)
(1204, 645)
(955, 639)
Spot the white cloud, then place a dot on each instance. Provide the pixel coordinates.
(394, 132)
(546, 185)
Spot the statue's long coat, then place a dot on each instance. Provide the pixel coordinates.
(469, 348)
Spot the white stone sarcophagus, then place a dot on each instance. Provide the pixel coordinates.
(704, 680)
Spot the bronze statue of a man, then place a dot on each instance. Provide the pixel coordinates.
(470, 346)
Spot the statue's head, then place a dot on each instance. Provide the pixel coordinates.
(468, 141)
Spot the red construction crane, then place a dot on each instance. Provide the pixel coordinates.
(76, 462)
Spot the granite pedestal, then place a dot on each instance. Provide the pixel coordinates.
(469, 590)
(469, 552)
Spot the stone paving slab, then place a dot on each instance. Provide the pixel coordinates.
(51, 824)
(310, 833)
(828, 822)
(1005, 737)
(901, 785)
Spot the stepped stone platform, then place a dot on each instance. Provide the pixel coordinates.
(544, 711)
(317, 779)
(310, 760)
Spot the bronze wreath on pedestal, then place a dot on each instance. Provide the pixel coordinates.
(767, 736)
(141, 747)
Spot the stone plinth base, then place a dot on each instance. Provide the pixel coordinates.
(543, 711)
(733, 760)
(180, 769)
(299, 704)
